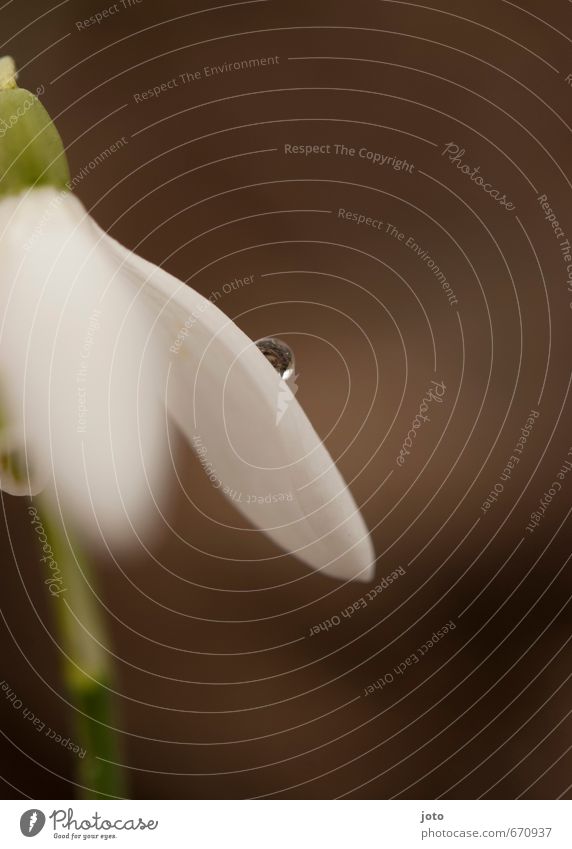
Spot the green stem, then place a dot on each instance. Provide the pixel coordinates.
(86, 669)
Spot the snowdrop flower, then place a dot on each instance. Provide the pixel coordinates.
(99, 349)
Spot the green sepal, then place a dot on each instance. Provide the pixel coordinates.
(31, 150)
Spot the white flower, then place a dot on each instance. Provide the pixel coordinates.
(100, 349)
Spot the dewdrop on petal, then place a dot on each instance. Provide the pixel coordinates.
(279, 355)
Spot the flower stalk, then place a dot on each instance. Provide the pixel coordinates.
(86, 667)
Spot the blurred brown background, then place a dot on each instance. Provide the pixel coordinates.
(222, 692)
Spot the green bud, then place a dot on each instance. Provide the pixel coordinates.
(31, 150)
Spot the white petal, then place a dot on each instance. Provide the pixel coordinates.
(71, 347)
(225, 397)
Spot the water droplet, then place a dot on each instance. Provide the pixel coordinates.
(278, 354)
